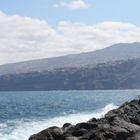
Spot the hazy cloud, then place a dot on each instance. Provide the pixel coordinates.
(23, 38)
(75, 4)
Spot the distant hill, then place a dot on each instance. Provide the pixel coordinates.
(111, 75)
(116, 52)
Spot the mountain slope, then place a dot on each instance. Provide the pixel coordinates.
(116, 52)
(115, 75)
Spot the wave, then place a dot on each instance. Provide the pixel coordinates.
(22, 129)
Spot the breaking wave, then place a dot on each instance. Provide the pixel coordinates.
(22, 129)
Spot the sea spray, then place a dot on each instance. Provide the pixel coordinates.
(22, 129)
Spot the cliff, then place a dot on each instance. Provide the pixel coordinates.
(113, 75)
(119, 124)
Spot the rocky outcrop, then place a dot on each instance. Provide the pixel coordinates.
(119, 124)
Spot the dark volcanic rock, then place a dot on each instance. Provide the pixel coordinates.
(119, 124)
(51, 133)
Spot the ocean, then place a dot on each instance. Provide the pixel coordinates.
(25, 113)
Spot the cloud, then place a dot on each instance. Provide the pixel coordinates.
(75, 4)
(100, 35)
(24, 38)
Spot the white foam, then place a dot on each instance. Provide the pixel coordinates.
(24, 129)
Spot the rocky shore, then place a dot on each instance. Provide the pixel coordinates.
(119, 124)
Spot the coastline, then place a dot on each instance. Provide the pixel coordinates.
(122, 123)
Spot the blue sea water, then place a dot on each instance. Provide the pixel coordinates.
(25, 113)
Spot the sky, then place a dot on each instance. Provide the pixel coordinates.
(34, 29)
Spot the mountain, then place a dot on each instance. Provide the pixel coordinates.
(111, 75)
(123, 51)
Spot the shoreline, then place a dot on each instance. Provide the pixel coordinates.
(122, 123)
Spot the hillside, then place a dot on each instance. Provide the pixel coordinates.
(116, 52)
(115, 75)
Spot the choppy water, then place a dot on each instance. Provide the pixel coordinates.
(25, 113)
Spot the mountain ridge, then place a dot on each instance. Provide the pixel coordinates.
(121, 51)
